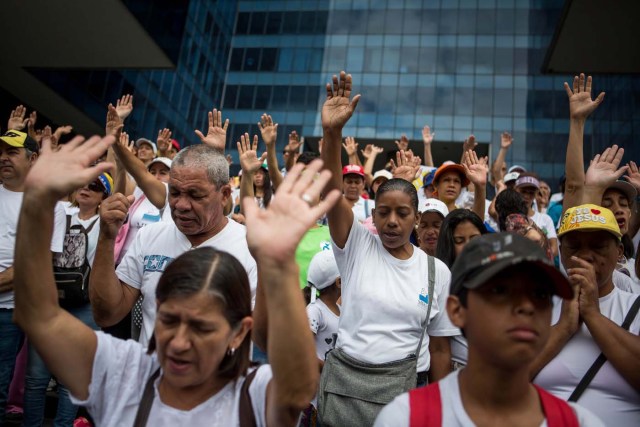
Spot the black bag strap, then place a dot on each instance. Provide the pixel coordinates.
(247, 417)
(146, 402)
(431, 267)
(88, 229)
(593, 370)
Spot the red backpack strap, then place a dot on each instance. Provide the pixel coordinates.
(557, 412)
(425, 406)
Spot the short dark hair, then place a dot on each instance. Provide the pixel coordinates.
(509, 202)
(307, 157)
(224, 278)
(445, 248)
(397, 184)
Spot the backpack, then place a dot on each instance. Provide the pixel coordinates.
(425, 408)
(70, 267)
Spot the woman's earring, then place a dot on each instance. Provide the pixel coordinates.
(231, 351)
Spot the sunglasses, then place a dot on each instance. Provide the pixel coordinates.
(96, 186)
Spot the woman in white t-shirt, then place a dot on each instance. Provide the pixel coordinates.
(198, 361)
(385, 282)
(86, 214)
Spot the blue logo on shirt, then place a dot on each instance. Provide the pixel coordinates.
(424, 298)
(156, 262)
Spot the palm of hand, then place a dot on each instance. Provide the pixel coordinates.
(216, 138)
(405, 172)
(581, 104)
(280, 228)
(249, 161)
(16, 123)
(336, 112)
(634, 179)
(600, 174)
(269, 135)
(477, 174)
(112, 125)
(124, 110)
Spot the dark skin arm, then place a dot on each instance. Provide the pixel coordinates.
(440, 351)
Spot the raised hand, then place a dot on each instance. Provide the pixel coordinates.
(603, 169)
(294, 142)
(61, 131)
(53, 140)
(405, 166)
(249, 160)
(350, 146)
(633, 175)
(114, 123)
(123, 142)
(368, 150)
(582, 274)
(427, 135)
(17, 120)
(268, 130)
(403, 144)
(338, 107)
(124, 106)
(469, 144)
(75, 159)
(580, 103)
(506, 140)
(217, 131)
(164, 140)
(475, 168)
(273, 234)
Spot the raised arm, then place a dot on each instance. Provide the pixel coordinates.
(370, 153)
(17, 121)
(406, 166)
(163, 142)
(427, 139)
(580, 107)
(269, 132)
(633, 178)
(61, 340)
(216, 132)
(336, 112)
(273, 236)
(292, 149)
(351, 148)
(497, 172)
(155, 190)
(476, 171)
(121, 182)
(250, 163)
(603, 171)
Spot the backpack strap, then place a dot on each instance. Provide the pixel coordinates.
(593, 370)
(247, 417)
(557, 412)
(425, 406)
(66, 230)
(144, 407)
(431, 271)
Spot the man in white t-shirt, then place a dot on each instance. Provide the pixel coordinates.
(353, 188)
(528, 186)
(18, 152)
(501, 298)
(590, 325)
(198, 192)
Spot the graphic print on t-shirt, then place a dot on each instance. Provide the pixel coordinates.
(156, 262)
(423, 297)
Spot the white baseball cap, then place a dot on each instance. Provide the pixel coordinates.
(149, 142)
(382, 173)
(323, 270)
(164, 160)
(511, 176)
(435, 205)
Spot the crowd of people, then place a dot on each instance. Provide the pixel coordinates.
(153, 288)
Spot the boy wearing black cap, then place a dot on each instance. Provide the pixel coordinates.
(500, 297)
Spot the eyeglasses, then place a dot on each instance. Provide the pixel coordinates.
(96, 186)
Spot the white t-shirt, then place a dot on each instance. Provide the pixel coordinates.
(545, 223)
(120, 372)
(324, 325)
(156, 245)
(10, 204)
(396, 413)
(384, 301)
(459, 349)
(363, 208)
(609, 396)
(146, 213)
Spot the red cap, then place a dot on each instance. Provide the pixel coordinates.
(175, 144)
(353, 169)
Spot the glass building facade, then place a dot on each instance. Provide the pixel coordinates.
(460, 66)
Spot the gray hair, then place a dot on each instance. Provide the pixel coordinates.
(204, 157)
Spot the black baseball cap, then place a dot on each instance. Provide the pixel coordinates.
(489, 254)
